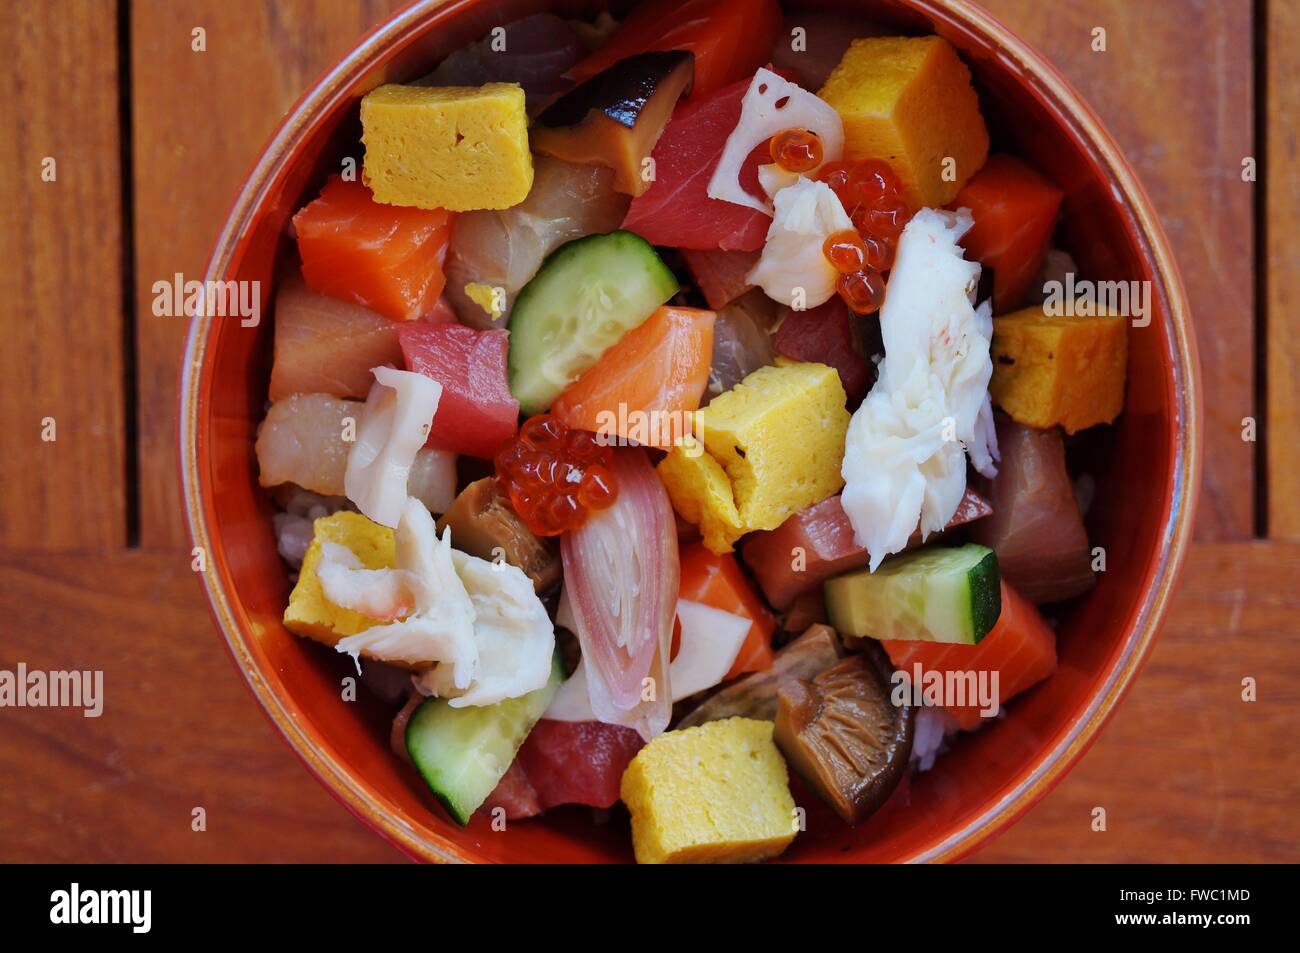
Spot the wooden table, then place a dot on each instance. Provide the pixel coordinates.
(149, 139)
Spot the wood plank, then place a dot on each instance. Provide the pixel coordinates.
(1187, 771)
(62, 280)
(199, 121)
(1175, 88)
(178, 730)
(1283, 190)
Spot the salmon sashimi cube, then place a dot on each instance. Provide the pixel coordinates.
(384, 257)
(645, 386)
(1015, 213)
(1021, 648)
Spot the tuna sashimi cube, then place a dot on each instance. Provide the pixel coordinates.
(676, 210)
(824, 334)
(723, 276)
(476, 412)
(825, 535)
(513, 794)
(577, 762)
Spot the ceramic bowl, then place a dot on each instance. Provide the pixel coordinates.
(1146, 469)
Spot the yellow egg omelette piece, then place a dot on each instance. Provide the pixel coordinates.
(453, 147)
(715, 793)
(909, 102)
(775, 444)
(309, 613)
(1063, 371)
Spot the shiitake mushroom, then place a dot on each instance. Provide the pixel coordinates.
(616, 117)
(843, 734)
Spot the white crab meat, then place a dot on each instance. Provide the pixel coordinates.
(904, 467)
(479, 623)
(440, 629)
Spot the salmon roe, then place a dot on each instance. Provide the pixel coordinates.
(796, 150)
(845, 250)
(555, 477)
(872, 196)
(863, 291)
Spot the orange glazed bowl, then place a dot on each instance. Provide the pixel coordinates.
(1146, 468)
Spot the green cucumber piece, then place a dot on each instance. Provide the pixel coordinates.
(462, 753)
(936, 594)
(585, 297)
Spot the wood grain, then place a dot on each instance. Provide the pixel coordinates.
(1174, 86)
(1282, 424)
(179, 729)
(199, 121)
(61, 280)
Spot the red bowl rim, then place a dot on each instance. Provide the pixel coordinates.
(1049, 767)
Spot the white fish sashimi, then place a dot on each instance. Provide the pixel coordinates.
(432, 479)
(300, 441)
(503, 249)
(771, 104)
(393, 426)
(793, 269)
(904, 466)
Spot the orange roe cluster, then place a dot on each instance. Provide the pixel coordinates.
(872, 197)
(555, 477)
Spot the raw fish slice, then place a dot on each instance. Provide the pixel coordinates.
(741, 342)
(1036, 529)
(824, 334)
(826, 37)
(1021, 648)
(503, 249)
(327, 346)
(384, 257)
(301, 441)
(578, 762)
(723, 276)
(676, 211)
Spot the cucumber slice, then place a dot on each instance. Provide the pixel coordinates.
(462, 753)
(937, 594)
(585, 297)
